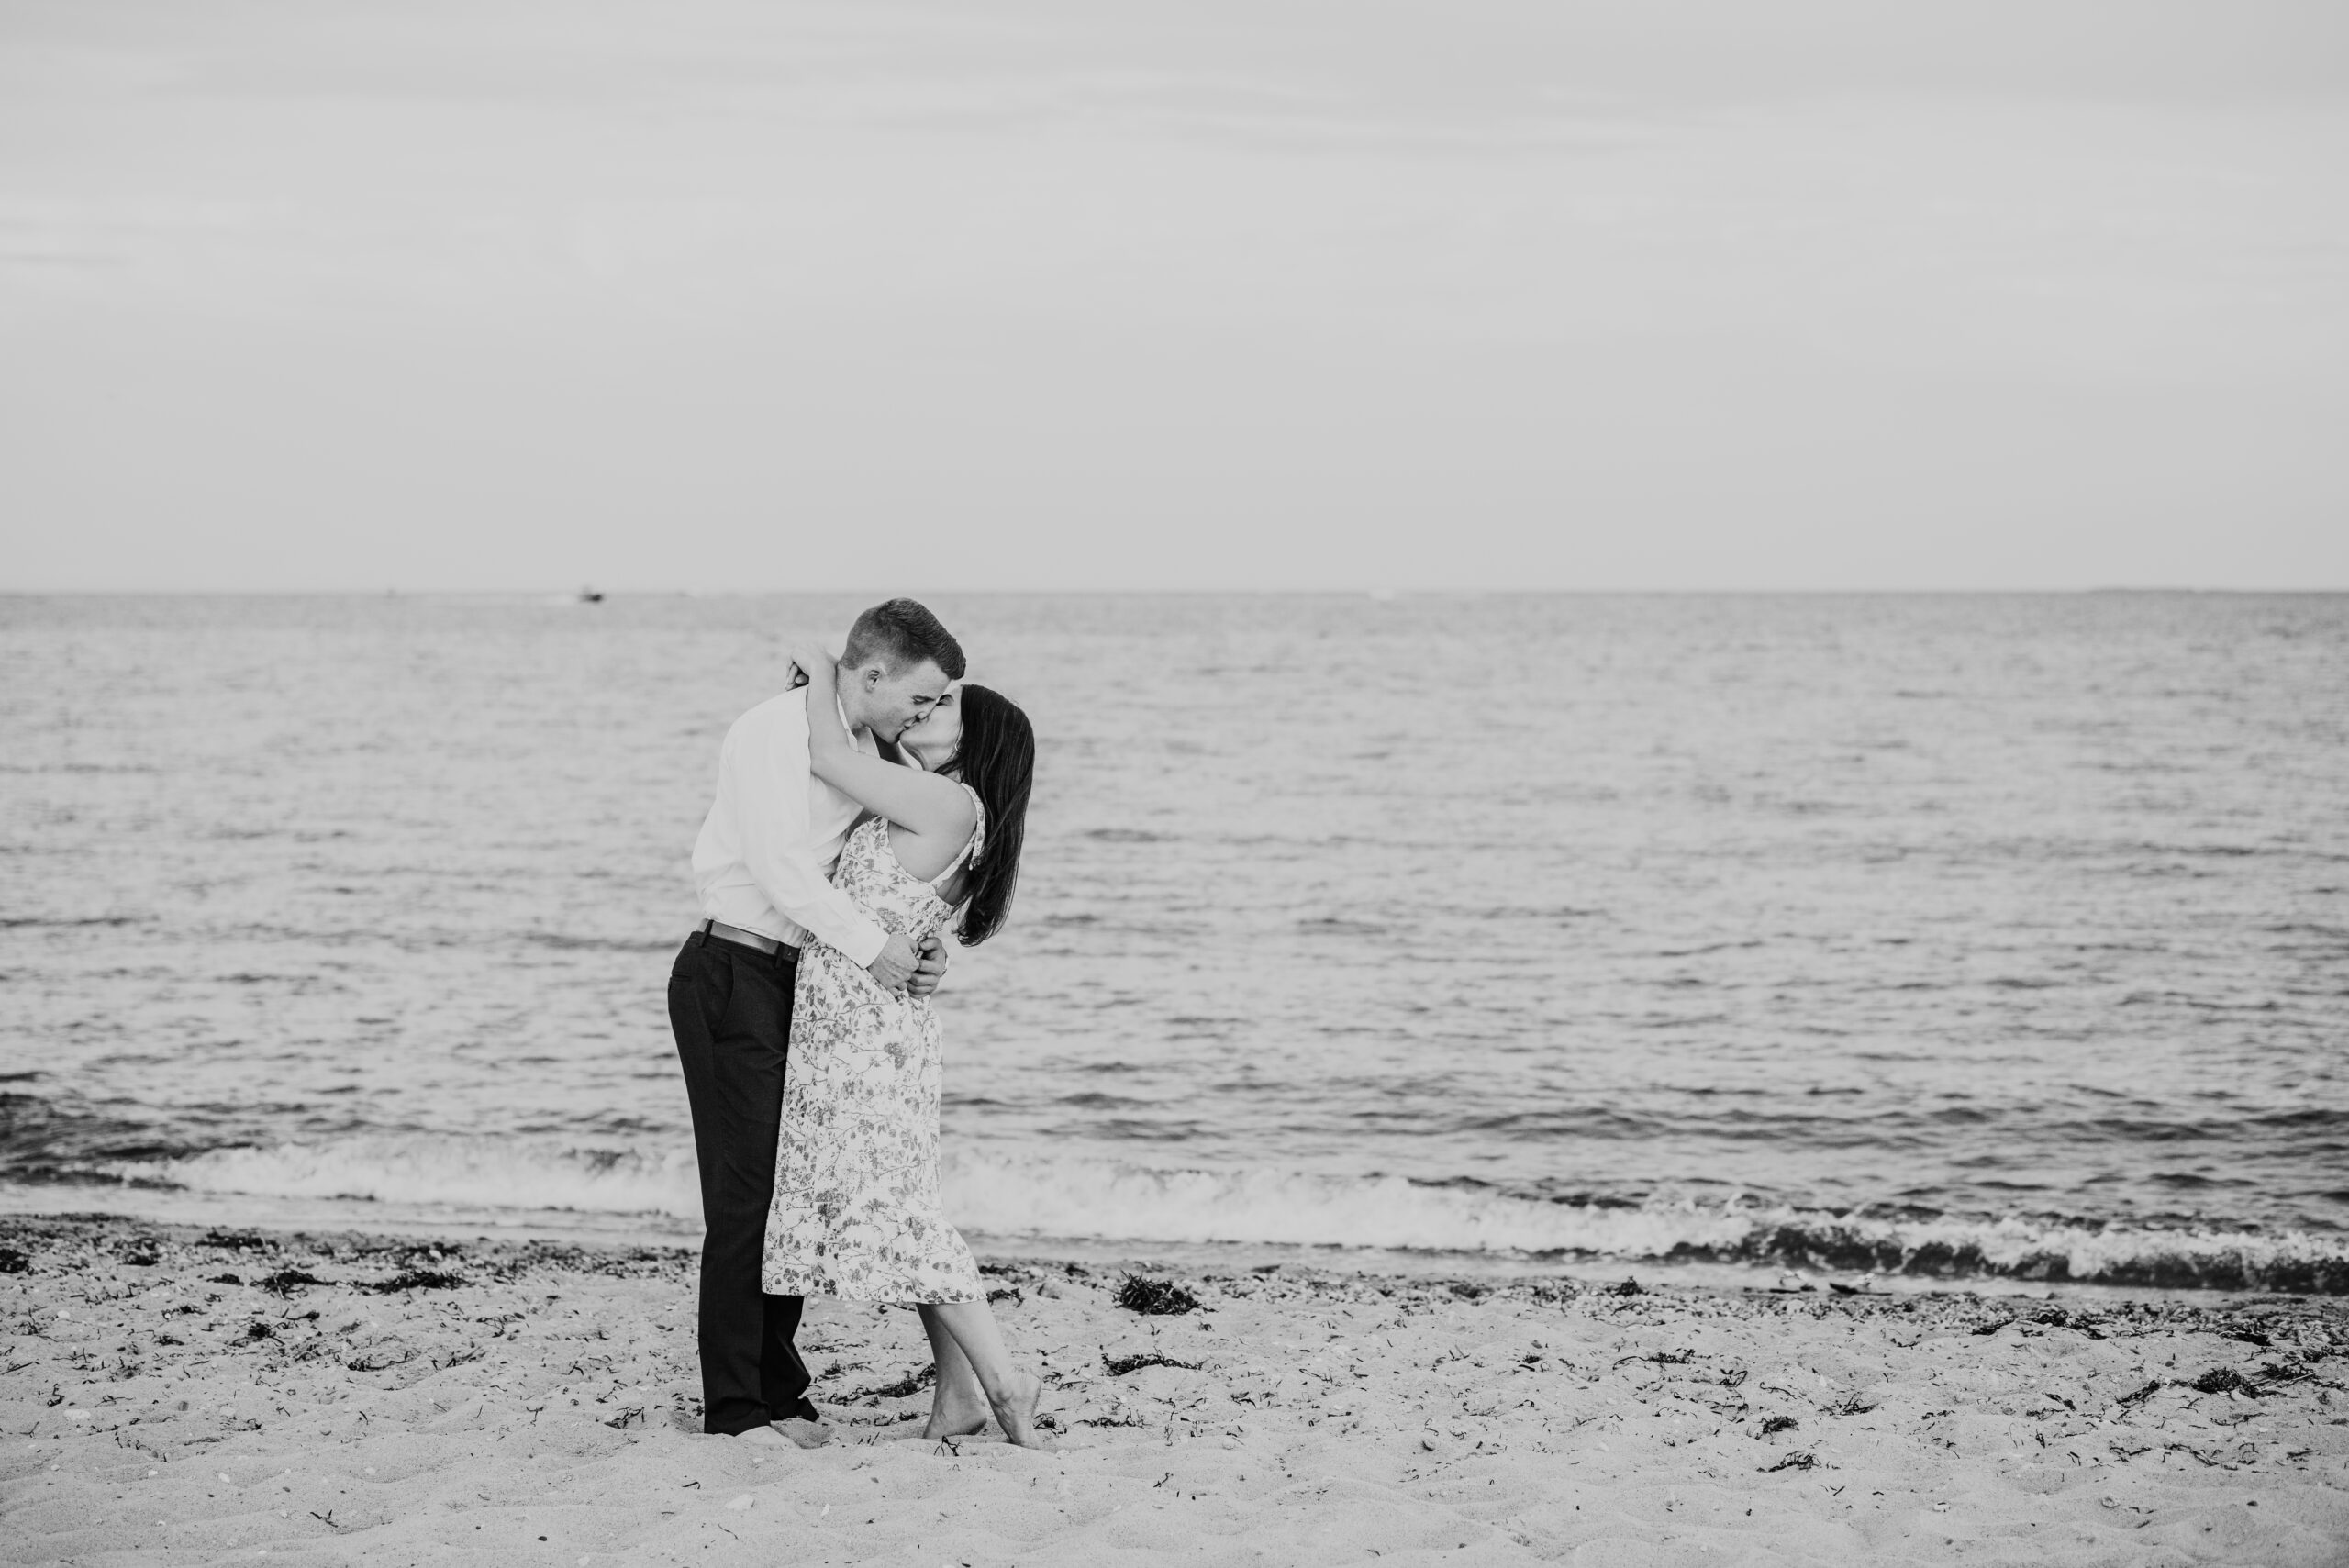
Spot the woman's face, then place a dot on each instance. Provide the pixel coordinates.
(937, 737)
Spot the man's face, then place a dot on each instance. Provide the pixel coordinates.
(894, 703)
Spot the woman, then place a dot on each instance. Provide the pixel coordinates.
(856, 1210)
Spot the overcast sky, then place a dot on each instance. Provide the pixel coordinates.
(755, 295)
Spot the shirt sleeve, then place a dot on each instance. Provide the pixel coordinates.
(768, 775)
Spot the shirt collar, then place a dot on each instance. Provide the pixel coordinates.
(868, 745)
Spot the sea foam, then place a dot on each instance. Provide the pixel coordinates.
(478, 1173)
(1037, 1194)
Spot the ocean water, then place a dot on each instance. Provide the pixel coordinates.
(1959, 937)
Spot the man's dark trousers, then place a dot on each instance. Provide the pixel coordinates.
(729, 1006)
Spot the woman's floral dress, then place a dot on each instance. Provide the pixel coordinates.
(855, 1211)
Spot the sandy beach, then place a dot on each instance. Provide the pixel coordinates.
(176, 1395)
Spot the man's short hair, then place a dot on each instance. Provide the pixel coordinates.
(900, 635)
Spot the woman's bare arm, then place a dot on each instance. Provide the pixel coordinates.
(919, 802)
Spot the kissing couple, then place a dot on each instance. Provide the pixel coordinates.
(857, 815)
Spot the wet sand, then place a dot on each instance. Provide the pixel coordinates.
(176, 1395)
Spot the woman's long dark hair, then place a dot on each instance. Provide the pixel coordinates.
(997, 757)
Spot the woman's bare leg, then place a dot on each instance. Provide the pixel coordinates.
(1010, 1393)
(959, 1407)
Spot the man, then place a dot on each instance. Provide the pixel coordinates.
(763, 864)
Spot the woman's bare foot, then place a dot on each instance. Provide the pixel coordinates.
(955, 1413)
(1016, 1413)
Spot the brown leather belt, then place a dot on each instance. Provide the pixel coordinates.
(751, 939)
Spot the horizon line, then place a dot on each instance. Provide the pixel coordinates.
(589, 593)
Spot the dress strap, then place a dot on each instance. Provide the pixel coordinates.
(978, 843)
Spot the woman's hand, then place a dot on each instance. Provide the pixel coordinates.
(810, 661)
(828, 741)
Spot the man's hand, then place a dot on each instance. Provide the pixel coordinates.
(932, 968)
(894, 966)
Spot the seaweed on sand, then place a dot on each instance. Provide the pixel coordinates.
(285, 1282)
(1120, 1365)
(1155, 1298)
(904, 1387)
(414, 1279)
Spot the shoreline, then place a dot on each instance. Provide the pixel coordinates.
(411, 1398)
(175, 1206)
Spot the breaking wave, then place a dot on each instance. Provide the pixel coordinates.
(1030, 1195)
(475, 1173)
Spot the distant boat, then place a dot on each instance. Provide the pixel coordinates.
(591, 595)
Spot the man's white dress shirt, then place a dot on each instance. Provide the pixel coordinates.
(766, 852)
